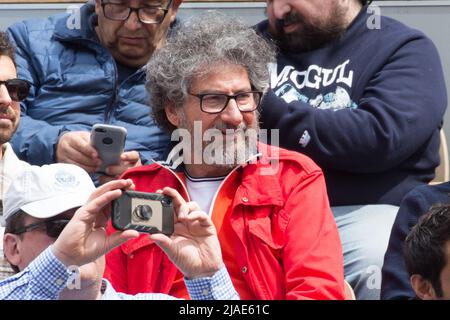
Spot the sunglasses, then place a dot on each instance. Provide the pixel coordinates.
(53, 228)
(18, 89)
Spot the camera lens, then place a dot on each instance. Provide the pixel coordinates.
(107, 140)
(143, 212)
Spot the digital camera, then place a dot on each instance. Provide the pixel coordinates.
(144, 212)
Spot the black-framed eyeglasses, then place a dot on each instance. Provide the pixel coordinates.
(119, 11)
(53, 228)
(217, 102)
(18, 89)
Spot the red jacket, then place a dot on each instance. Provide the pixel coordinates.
(289, 246)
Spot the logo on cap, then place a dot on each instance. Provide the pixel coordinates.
(66, 179)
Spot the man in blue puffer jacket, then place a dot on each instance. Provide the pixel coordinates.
(86, 73)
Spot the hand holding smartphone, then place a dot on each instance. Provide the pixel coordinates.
(109, 141)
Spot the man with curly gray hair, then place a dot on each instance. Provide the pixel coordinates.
(194, 53)
(277, 233)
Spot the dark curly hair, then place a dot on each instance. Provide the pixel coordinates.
(6, 46)
(424, 249)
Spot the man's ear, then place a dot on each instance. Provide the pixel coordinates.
(422, 287)
(172, 114)
(12, 248)
(176, 4)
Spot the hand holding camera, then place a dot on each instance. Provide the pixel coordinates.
(193, 247)
(84, 239)
(185, 233)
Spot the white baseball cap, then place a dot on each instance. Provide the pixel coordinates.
(44, 192)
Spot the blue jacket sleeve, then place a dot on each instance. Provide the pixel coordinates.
(400, 108)
(34, 140)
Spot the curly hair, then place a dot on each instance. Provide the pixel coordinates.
(194, 49)
(6, 46)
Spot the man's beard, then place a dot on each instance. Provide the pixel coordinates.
(7, 133)
(309, 35)
(225, 150)
(233, 149)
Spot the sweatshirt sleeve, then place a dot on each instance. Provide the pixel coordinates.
(402, 105)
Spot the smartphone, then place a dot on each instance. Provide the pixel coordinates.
(109, 141)
(144, 212)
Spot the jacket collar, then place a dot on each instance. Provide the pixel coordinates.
(174, 160)
(259, 185)
(66, 28)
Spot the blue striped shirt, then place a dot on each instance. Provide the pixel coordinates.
(46, 277)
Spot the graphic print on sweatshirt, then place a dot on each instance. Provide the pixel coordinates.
(320, 87)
